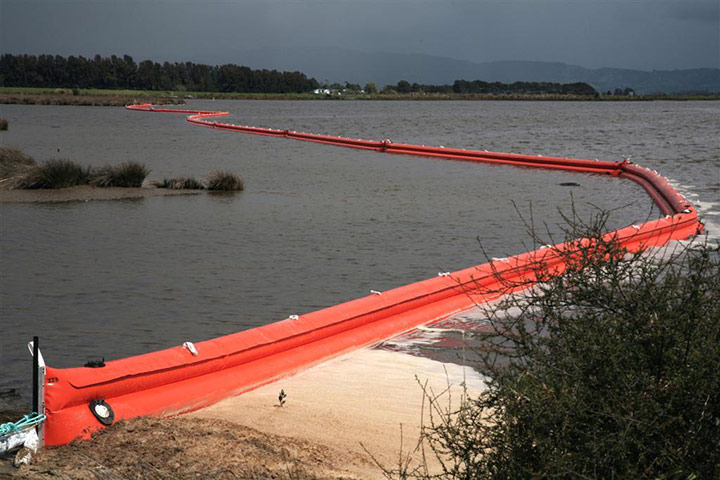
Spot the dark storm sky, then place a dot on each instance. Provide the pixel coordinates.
(593, 33)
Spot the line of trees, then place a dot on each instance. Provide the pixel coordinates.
(496, 88)
(53, 71)
(114, 72)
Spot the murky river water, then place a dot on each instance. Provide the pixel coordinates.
(316, 225)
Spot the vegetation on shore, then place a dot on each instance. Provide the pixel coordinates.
(94, 98)
(129, 175)
(224, 181)
(56, 173)
(115, 80)
(182, 183)
(123, 73)
(120, 98)
(607, 371)
(20, 171)
(484, 88)
(15, 167)
(218, 181)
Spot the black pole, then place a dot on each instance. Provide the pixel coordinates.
(36, 374)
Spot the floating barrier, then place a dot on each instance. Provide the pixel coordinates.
(81, 400)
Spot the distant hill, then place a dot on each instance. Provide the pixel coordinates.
(340, 65)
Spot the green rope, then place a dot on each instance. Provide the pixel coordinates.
(28, 420)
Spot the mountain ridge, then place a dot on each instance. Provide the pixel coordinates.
(333, 64)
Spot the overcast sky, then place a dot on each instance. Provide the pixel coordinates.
(641, 34)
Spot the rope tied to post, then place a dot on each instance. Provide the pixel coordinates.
(27, 421)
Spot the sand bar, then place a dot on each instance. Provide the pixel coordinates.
(86, 193)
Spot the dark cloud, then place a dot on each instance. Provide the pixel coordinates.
(703, 12)
(593, 33)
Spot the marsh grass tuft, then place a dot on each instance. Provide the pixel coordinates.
(14, 166)
(3, 124)
(183, 183)
(19, 170)
(224, 181)
(129, 174)
(57, 173)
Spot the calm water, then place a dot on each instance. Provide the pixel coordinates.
(316, 225)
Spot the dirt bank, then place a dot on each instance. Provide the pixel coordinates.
(183, 448)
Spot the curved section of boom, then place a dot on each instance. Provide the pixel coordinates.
(182, 378)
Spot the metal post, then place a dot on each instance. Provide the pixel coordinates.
(38, 404)
(36, 375)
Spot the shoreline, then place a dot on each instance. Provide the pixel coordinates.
(370, 396)
(86, 193)
(83, 99)
(118, 98)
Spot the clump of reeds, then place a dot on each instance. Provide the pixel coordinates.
(56, 173)
(14, 166)
(13, 161)
(129, 174)
(3, 124)
(224, 181)
(183, 183)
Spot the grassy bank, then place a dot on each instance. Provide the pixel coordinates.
(66, 96)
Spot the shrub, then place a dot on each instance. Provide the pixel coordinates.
(607, 371)
(224, 181)
(180, 184)
(130, 174)
(57, 173)
(3, 124)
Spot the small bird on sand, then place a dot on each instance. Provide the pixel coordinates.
(282, 397)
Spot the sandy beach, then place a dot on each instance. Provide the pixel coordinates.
(361, 399)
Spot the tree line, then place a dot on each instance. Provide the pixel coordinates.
(496, 88)
(114, 72)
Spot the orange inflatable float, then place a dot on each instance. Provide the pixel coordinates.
(78, 401)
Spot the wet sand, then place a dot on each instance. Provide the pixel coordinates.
(86, 193)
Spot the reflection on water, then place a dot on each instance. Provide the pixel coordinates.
(317, 225)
